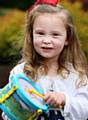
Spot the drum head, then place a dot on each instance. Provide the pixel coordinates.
(31, 100)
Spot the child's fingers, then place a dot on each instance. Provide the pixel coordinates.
(54, 99)
(49, 99)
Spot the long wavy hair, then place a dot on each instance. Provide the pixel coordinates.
(72, 53)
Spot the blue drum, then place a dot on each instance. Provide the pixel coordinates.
(17, 100)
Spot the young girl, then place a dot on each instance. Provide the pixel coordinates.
(52, 58)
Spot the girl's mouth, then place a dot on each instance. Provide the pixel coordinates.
(47, 49)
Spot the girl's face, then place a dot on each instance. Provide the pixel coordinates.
(49, 35)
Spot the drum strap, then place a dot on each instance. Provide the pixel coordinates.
(8, 94)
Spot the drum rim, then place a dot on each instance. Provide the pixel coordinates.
(22, 94)
(5, 109)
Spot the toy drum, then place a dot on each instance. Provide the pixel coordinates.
(22, 99)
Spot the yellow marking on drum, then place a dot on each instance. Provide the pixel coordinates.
(7, 95)
(38, 112)
(35, 92)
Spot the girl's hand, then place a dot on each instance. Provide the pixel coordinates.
(55, 99)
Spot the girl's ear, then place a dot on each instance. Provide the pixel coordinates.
(66, 42)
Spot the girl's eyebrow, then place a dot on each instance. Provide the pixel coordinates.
(56, 31)
(39, 29)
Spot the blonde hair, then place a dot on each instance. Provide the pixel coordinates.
(70, 54)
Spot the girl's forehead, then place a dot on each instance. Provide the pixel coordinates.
(49, 14)
(49, 22)
(49, 17)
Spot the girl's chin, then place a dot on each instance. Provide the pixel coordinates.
(47, 56)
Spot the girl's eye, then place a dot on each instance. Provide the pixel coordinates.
(40, 33)
(55, 34)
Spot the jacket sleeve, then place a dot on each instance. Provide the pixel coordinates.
(76, 107)
(16, 70)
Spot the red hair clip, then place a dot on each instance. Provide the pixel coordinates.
(48, 2)
(51, 2)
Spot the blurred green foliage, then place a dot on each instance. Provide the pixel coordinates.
(81, 22)
(11, 36)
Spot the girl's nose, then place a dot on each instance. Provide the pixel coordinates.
(46, 40)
